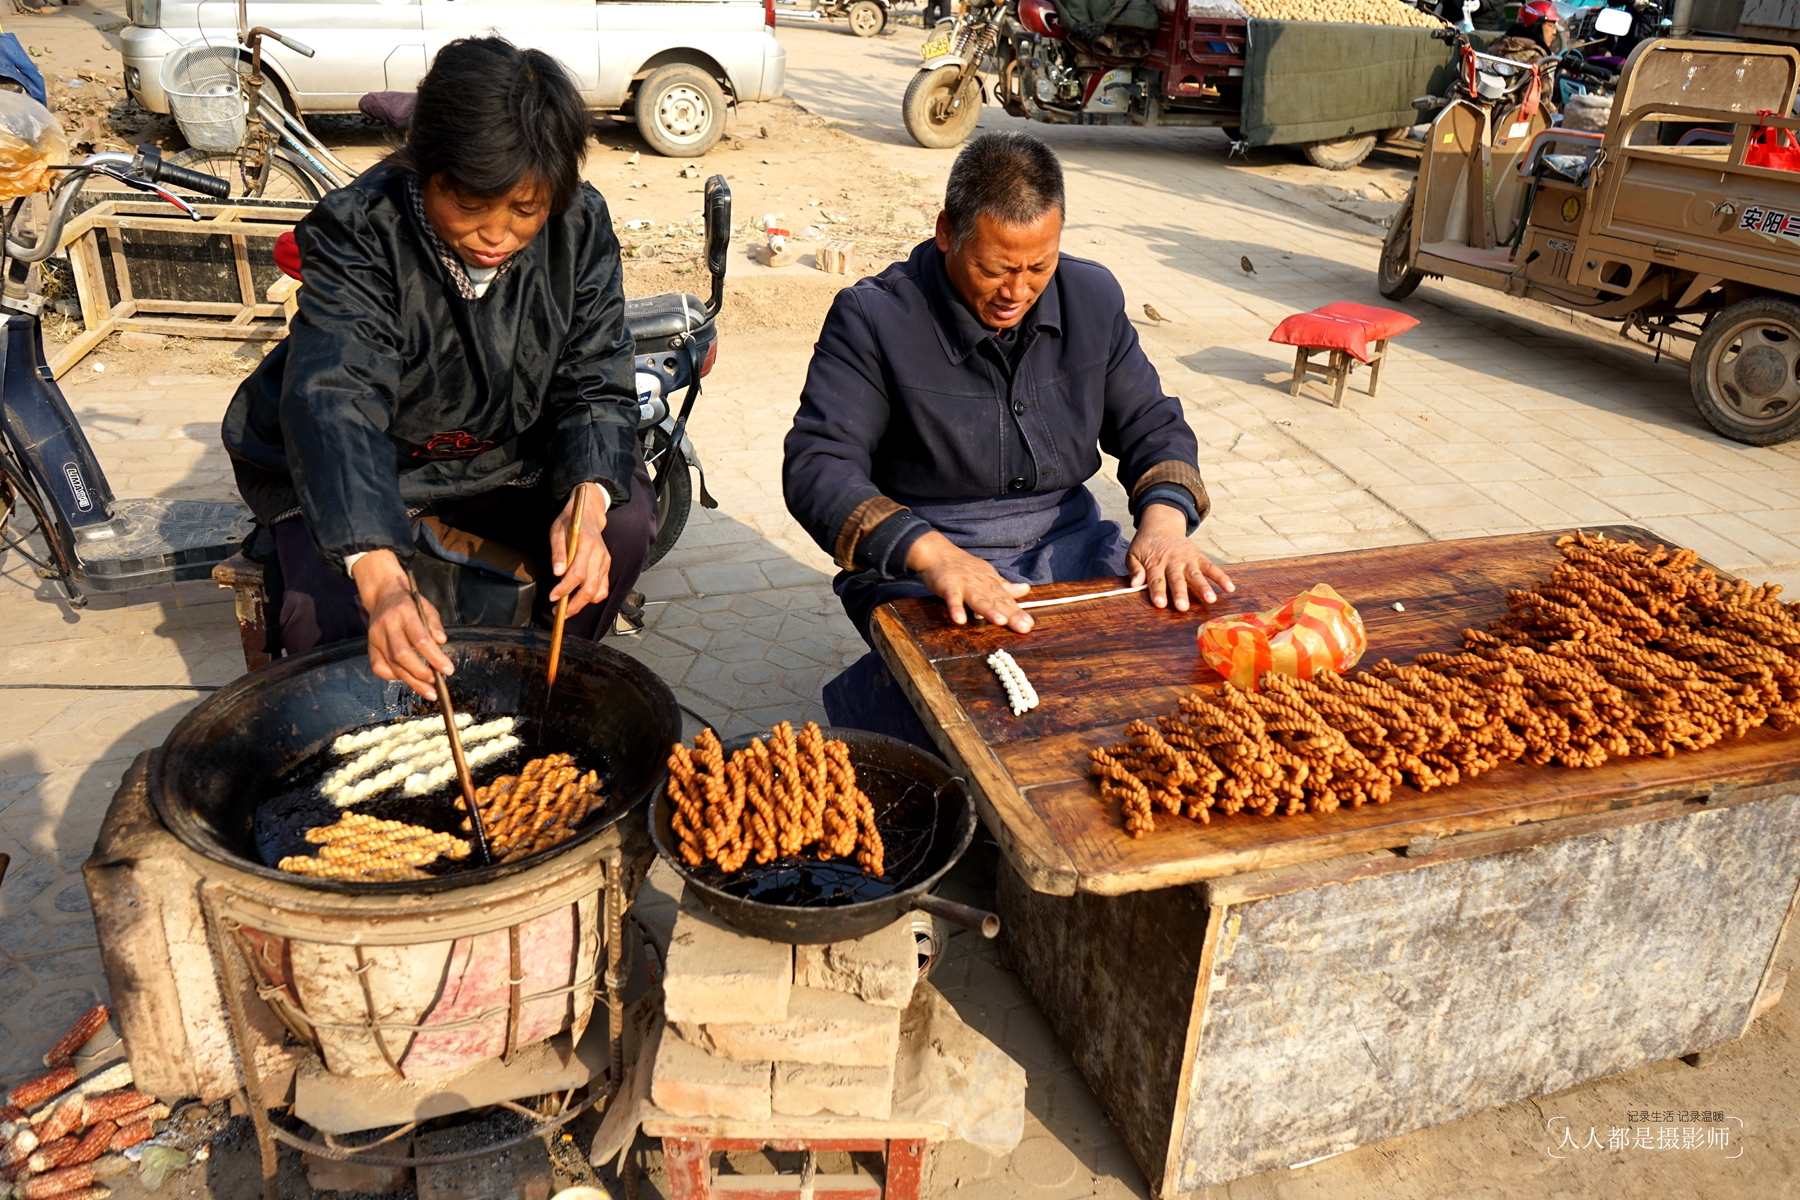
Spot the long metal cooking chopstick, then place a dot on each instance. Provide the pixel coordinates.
(456, 746)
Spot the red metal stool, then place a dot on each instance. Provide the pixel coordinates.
(1344, 330)
(691, 1174)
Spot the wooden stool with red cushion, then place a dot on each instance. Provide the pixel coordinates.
(1344, 330)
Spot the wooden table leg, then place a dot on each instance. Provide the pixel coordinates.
(905, 1170)
(689, 1163)
(1340, 375)
(1301, 353)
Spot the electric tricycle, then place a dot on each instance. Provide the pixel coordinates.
(1680, 220)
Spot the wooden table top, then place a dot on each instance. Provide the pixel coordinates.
(1099, 664)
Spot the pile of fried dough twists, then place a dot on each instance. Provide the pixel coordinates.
(540, 807)
(363, 849)
(771, 800)
(1623, 652)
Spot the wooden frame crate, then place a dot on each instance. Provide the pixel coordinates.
(139, 265)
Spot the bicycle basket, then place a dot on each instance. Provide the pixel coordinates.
(205, 98)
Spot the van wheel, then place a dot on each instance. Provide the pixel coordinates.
(1340, 155)
(938, 115)
(680, 110)
(1745, 373)
(867, 18)
(1394, 275)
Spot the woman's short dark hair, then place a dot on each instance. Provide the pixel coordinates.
(491, 114)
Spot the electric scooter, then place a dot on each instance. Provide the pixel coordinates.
(95, 540)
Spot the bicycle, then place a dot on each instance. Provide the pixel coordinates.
(279, 158)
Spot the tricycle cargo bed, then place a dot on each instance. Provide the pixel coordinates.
(1320, 81)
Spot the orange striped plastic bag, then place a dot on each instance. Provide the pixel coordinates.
(1316, 630)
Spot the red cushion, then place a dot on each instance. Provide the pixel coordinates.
(1322, 332)
(1381, 323)
(287, 255)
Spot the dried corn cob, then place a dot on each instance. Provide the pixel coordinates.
(57, 1182)
(78, 1036)
(131, 1133)
(35, 1092)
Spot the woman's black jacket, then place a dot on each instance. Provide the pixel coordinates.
(392, 391)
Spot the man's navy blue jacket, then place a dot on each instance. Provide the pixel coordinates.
(909, 398)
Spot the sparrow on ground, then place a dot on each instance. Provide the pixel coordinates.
(1154, 315)
(1248, 266)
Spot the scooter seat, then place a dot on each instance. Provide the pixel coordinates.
(659, 318)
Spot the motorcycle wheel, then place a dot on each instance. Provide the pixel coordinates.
(282, 181)
(1394, 275)
(1745, 373)
(674, 492)
(867, 18)
(938, 116)
(1340, 155)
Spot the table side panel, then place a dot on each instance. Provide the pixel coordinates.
(1350, 1014)
(1116, 978)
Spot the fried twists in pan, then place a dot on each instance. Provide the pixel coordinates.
(784, 796)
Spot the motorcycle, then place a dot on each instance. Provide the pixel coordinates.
(943, 100)
(99, 543)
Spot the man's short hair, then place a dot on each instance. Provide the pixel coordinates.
(1011, 177)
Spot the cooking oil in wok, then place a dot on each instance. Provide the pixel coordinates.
(296, 803)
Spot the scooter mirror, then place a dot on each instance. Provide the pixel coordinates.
(718, 235)
(1612, 22)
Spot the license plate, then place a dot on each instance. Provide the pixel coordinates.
(935, 46)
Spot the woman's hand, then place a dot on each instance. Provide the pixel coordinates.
(401, 646)
(961, 579)
(1173, 566)
(584, 581)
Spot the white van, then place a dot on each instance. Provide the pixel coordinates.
(675, 65)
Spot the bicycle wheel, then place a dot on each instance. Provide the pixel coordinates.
(283, 180)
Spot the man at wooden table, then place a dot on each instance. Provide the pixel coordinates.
(955, 404)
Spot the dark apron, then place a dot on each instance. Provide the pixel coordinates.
(1046, 537)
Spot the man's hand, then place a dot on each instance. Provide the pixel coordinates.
(1162, 555)
(961, 579)
(401, 646)
(585, 580)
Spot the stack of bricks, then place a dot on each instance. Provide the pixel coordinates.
(758, 1029)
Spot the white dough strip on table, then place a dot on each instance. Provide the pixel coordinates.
(1052, 602)
(1124, 591)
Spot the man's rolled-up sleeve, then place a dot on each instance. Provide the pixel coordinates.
(828, 455)
(1145, 428)
(593, 396)
(339, 388)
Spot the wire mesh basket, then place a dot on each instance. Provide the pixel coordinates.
(205, 96)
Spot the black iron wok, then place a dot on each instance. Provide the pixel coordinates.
(222, 760)
(926, 821)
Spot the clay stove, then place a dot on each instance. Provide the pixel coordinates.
(367, 1006)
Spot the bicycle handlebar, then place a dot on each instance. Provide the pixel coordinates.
(182, 177)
